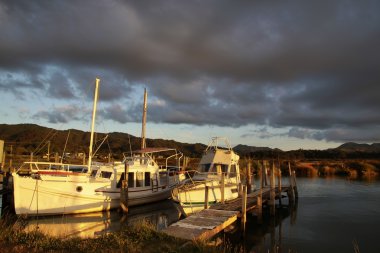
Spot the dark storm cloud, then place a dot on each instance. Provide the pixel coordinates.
(59, 114)
(312, 67)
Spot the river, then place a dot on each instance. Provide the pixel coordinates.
(332, 215)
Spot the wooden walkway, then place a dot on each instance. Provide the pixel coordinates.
(202, 225)
(236, 204)
(209, 222)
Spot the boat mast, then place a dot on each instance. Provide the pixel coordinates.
(97, 81)
(143, 143)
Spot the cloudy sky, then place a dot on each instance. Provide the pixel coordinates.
(285, 74)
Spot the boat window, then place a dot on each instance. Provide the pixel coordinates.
(147, 178)
(120, 181)
(93, 173)
(139, 179)
(205, 167)
(233, 170)
(105, 174)
(131, 180)
(213, 168)
(224, 168)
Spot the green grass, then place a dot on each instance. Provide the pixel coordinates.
(138, 238)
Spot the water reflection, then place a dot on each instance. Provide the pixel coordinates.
(159, 214)
(265, 236)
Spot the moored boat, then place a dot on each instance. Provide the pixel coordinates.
(219, 170)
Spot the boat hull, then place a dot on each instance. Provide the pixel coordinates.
(51, 197)
(191, 196)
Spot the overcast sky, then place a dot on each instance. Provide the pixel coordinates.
(284, 74)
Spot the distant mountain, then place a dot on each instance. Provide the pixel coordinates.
(356, 147)
(27, 138)
(244, 149)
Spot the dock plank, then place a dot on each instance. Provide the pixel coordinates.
(202, 225)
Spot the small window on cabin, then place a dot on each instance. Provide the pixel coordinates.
(213, 168)
(139, 179)
(120, 181)
(224, 168)
(93, 173)
(105, 174)
(147, 178)
(233, 170)
(131, 180)
(205, 167)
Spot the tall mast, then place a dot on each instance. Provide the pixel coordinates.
(143, 144)
(97, 81)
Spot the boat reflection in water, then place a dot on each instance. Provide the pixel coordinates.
(160, 215)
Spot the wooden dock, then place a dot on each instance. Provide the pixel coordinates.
(209, 222)
(202, 225)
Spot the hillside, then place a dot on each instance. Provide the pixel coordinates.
(355, 147)
(26, 138)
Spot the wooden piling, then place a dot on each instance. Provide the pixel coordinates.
(279, 186)
(295, 185)
(222, 188)
(206, 197)
(244, 208)
(249, 178)
(260, 207)
(291, 188)
(272, 191)
(124, 190)
(265, 173)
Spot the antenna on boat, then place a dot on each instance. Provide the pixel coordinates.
(97, 81)
(143, 143)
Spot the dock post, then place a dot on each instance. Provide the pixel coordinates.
(249, 178)
(244, 208)
(206, 197)
(279, 186)
(222, 188)
(265, 163)
(124, 190)
(295, 185)
(272, 191)
(291, 189)
(260, 207)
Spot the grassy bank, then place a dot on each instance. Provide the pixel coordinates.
(138, 238)
(350, 168)
(354, 169)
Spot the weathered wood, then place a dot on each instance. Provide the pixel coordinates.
(244, 208)
(202, 225)
(272, 191)
(265, 173)
(260, 207)
(279, 185)
(290, 191)
(295, 185)
(222, 188)
(249, 178)
(206, 197)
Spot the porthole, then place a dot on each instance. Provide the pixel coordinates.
(79, 188)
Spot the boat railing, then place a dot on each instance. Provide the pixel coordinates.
(196, 177)
(35, 167)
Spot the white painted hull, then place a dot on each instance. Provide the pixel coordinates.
(191, 197)
(48, 197)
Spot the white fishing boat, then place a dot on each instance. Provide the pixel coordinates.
(57, 188)
(219, 170)
(51, 191)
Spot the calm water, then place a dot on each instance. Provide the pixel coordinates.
(331, 213)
